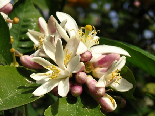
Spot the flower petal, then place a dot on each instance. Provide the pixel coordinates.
(122, 85)
(41, 61)
(107, 103)
(73, 64)
(4, 2)
(71, 25)
(43, 26)
(62, 32)
(101, 82)
(79, 67)
(49, 49)
(51, 24)
(59, 55)
(120, 64)
(72, 46)
(104, 49)
(40, 76)
(81, 48)
(46, 87)
(63, 87)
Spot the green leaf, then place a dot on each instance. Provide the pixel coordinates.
(127, 74)
(140, 58)
(42, 4)
(84, 105)
(28, 19)
(5, 44)
(15, 89)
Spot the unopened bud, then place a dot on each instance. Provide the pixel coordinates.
(81, 77)
(76, 90)
(99, 72)
(100, 91)
(106, 61)
(28, 63)
(7, 8)
(107, 103)
(137, 3)
(86, 56)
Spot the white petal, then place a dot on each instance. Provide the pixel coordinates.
(71, 25)
(122, 85)
(81, 48)
(5, 16)
(43, 26)
(4, 2)
(40, 76)
(46, 87)
(62, 32)
(79, 67)
(59, 55)
(49, 49)
(103, 49)
(120, 64)
(73, 64)
(63, 87)
(41, 61)
(108, 103)
(101, 82)
(72, 46)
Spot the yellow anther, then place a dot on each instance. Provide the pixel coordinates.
(88, 67)
(88, 27)
(16, 20)
(55, 72)
(12, 50)
(67, 57)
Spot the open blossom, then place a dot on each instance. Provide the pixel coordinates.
(59, 75)
(113, 79)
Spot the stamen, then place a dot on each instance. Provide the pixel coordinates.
(11, 39)
(67, 57)
(55, 72)
(88, 67)
(14, 21)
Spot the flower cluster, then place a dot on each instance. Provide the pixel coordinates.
(73, 57)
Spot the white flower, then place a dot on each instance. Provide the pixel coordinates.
(87, 38)
(113, 79)
(47, 32)
(57, 75)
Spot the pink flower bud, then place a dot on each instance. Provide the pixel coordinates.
(7, 8)
(76, 90)
(86, 56)
(106, 61)
(96, 92)
(81, 77)
(107, 103)
(28, 63)
(98, 72)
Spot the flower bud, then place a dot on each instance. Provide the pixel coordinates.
(7, 8)
(99, 72)
(106, 60)
(76, 90)
(86, 56)
(81, 77)
(96, 92)
(107, 103)
(28, 63)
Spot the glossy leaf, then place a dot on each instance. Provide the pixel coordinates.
(5, 45)
(28, 19)
(15, 89)
(127, 74)
(71, 106)
(140, 58)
